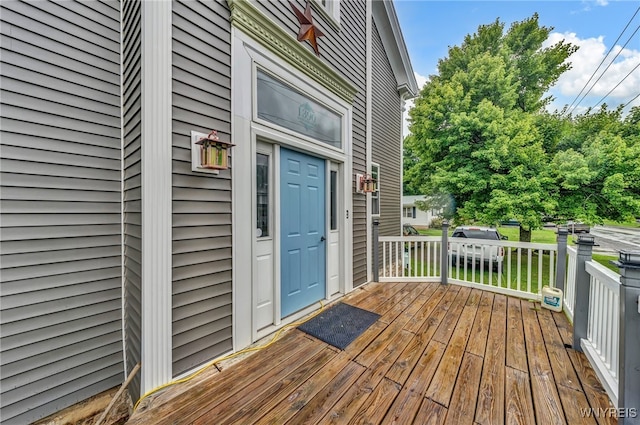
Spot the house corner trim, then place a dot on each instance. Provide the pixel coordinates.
(156, 156)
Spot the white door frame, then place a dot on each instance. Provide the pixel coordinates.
(246, 132)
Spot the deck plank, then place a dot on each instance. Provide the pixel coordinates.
(490, 407)
(518, 402)
(380, 400)
(320, 404)
(399, 305)
(446, 375)
(448, 324)
(478, 339)
(546, 399)
(595, 392)
(307, 403)
(575, 405)
(233, 397)
(430, 413)
(465, 394)
(563, 372)
(406, 405)
(564, 327)
(515, 336)
(259, 405)
(228, 380)
(356, 396)
(417, 321)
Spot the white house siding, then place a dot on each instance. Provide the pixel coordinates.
(387, 128)
(344, 50)
(422, 218)
(131, 91)
(201, 202)
(61, 313)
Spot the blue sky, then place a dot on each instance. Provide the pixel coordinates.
(430, 27)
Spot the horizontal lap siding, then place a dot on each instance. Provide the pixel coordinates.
(344, 51)
(201, 202)
(61, 255)
(387, 126)
(131, 91)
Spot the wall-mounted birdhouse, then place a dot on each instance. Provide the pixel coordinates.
(365, 183)
(209, 154)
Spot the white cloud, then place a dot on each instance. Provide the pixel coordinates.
(421, 80)
(584, 63)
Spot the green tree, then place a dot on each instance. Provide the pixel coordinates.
(474, 138)
(598, 175)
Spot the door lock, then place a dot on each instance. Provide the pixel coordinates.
(322, 239)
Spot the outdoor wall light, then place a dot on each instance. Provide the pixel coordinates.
(209, 154)
(365, 183)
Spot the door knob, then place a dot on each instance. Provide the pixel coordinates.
(322, 239)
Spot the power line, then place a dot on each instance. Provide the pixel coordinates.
(616, 86)
(629, 102)
(608, 66)
(601, 62)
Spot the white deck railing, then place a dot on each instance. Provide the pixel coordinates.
(404, 259)
(570, 283)
(601, 345)
(513, 268)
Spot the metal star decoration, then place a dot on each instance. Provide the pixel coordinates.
(308, 31)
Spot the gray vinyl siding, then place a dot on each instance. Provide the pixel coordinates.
(201, 202)
(131, 92)
(345, 51)
(386, 137)
(61, 327)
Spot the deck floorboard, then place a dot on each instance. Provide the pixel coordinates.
(439, 354)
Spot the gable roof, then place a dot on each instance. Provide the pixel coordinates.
(384, 14)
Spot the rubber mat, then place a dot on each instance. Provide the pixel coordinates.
(340, 324)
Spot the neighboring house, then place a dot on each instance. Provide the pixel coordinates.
(117, 248)
(413, 215)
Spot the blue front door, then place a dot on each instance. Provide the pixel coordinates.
(302, 223)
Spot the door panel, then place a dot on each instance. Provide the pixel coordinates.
(302, 213)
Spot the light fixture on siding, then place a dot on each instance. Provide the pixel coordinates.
(365, 183)
(209, 154)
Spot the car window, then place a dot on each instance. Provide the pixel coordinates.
(481, 234)
(458, 235)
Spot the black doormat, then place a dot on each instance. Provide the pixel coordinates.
(340, 324)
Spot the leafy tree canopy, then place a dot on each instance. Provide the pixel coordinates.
(475, 137)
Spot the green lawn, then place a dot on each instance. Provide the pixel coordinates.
(537, 236)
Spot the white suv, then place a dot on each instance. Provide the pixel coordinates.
(491, 254)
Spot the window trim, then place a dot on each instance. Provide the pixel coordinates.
(330, 12)
(375, 196)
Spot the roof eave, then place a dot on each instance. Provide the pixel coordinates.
(384, 14)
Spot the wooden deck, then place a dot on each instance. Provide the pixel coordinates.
(437, 355)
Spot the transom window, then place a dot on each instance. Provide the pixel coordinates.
(285, 106)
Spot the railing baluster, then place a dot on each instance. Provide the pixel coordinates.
(529, 264)
(519, 269)
(540, 255)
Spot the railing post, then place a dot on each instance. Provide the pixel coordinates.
(376, 254)
(444, 253)
(561, 263)
(629, 339)
(583, 290)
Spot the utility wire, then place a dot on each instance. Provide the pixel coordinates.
(608, 66)
(601, 62)
(629, 102)
(616, 86)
